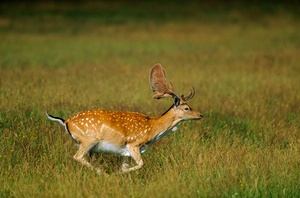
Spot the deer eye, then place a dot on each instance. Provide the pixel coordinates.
(186, 109)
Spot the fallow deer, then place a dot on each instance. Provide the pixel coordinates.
(128, 134)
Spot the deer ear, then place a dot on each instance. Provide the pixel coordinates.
(176, 101)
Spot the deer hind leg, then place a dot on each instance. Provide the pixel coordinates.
(93, 157)
(80, 154)
(136, 155)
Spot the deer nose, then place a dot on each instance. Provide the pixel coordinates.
(201, 115)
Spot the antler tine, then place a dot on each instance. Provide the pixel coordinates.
(190, 96)
(158, 83)
(171, 87)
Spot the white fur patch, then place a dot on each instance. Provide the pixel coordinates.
(106, 147)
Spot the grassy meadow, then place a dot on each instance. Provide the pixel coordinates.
(242, 59)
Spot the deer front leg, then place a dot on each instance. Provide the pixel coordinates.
(125, 163)
(136, 155)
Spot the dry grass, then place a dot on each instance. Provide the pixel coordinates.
(246, 75)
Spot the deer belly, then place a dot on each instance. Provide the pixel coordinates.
(106, 147)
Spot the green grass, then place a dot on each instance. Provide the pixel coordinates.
(242, 59)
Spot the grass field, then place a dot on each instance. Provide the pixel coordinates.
(243, 61)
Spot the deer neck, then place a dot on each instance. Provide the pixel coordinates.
(165, 122)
